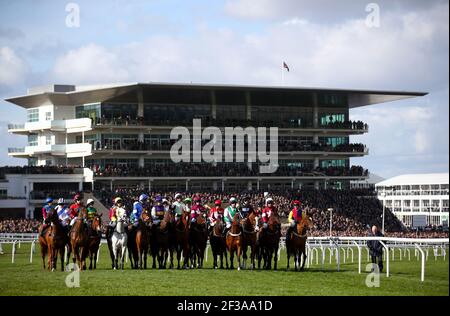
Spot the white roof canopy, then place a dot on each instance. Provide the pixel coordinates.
(415, 179)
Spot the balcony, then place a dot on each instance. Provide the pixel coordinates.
(69, 150)
(349, 127)
(64, 126)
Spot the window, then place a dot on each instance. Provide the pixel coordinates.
(32, 140)
(48, 139)
(32, 115)
(3, 193)
(32, 162)
(48, 116)
(48, 162)
(88, 111)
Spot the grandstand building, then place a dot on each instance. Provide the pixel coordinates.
(417, 194)
(122, 133)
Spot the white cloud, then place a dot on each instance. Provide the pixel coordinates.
(90, 64)
(421, 141)
(13, 69)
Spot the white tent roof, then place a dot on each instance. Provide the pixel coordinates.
(416, 179)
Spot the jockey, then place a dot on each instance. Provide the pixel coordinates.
(216, 213)
(157, 211)
(188, 202)
(138, 208)
(178, 206)
(46, 209)
(166, 205)
(91, 210)
(267, 211)
(246, 208)
(197, 209)
(113, 215)
(75, 208)
(229, 213)
(63, 214)
(294, 217)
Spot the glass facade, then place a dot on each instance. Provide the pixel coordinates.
(32, 140)
(333, 141)
(88, 111)
(32, 115)
(282, 116)
(160, 114)
(119, 110)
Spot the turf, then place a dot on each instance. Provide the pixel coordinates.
(24, 278)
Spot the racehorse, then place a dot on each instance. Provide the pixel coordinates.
(182, 239)
(79, 240)
(218, 244)
(161, 245)
(234, 240)
(198, 240)
(119, 242)
(53, 242)
(296, 245)
(249, 239)
(269, 242)
(95, 236)
(142, 240)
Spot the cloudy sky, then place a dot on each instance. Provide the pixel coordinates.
(326, 43)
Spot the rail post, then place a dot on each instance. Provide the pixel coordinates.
(359, 255)
(422, 272)
(387, 257)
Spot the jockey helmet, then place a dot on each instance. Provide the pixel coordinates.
(49, 200)
(197, 199)
(188, 200)
(233, 200)
(165, 201)
(77, 197)
(117, 200)
(143, 197)
(217, 202)
(89, 201)
(269, 200)
(297, 202)
(158, 198)
(178, 195)
(61, 201)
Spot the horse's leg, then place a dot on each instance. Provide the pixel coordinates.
(239, 257)
(232, 259)
(303, 251)
(288, 258)
(275, 258)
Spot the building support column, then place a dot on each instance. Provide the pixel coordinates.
(223, 185)
(80, 186)
(140, 97)
(248, 103)
(141, 162)
(82, 140)
(111, 185)
(67, 159)
(292, 184)
(316, 185)
(315, 111)
(257, 184)
(213, 105)
(149, 185)
(316, 163)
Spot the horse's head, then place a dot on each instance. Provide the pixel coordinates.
(146, 218)
(97, 223)
(274, 223)
(201, 220)
(305, 223)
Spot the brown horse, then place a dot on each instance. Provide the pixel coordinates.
(95, 236)
(234, 240)
(143, 239)
(218, 244)
(269, 242)
(296, 245)
(198, 239)
(161, 243)
(53, 242)
(79, 240)
(249, 239)
(182, 239)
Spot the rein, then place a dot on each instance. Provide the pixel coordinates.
(234, 235)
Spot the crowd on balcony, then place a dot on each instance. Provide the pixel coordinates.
(126, 120)
(36, 170)
(166, 145)
(220, 170)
